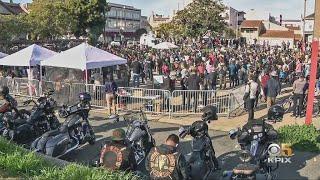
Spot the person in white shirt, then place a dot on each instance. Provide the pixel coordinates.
(250, 97)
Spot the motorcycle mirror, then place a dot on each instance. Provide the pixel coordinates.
(233, 133)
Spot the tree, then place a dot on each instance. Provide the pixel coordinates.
(89, 16)
(12, 27)
(199, 17)
(49, 19)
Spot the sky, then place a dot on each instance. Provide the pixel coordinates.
(290, 9)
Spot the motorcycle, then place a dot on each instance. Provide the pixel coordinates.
(74, 132)
(42, 119)
(10, 106)
(202, 158)
(254, 155)
(138, 136)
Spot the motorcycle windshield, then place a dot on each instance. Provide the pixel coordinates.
(254, 147)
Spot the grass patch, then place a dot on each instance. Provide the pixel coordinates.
(303, 138)
(18, 162)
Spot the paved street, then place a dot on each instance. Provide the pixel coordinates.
(224, 147)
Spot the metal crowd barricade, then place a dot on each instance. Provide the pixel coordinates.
(191, 102)
(61, 91)
(98, 95)
(151, 100)
(26, 87)
(75, 89)
(9, 82)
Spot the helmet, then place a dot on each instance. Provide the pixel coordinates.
(209, 113)
(4, 90)
(118, 135)
(84, 97)
(276, 113)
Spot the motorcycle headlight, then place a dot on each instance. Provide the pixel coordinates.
(255, 137)
(260, 135)
(245, 156)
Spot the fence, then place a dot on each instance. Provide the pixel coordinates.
(156, 101)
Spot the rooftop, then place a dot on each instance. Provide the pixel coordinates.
(251, 23)
(278, 34)
(123, 6)
(293, 28)
(14, 8)
(310, 17)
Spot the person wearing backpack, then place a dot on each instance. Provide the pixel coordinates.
(110, 89)
(165, 163)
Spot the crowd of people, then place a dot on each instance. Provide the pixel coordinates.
(215, 64)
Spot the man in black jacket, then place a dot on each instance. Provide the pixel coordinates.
(165, 163)
(136, 71)
(193, 84)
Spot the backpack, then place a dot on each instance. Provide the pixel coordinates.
(161, 166)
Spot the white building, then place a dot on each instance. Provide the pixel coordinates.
(233, 17)
(308, 33)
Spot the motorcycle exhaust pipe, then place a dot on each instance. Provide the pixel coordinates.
(71, 149)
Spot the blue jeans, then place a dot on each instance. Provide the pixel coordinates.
(136, 80)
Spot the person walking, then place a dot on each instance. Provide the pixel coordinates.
(273, 89)
(250, 96)
(298, 95)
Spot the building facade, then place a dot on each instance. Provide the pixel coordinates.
(155, 20)
(309, 26)
(122, 22)
(233, 18)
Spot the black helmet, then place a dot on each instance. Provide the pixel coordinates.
(275, 113)
(4, 90)
(209, 113)
(84, 97)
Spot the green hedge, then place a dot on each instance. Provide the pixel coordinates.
(18, 162)
(303, 138)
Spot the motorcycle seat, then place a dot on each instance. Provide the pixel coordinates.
(246, 169)
(52, 133)
(19, 121)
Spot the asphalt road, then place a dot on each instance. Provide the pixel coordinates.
(303, 166)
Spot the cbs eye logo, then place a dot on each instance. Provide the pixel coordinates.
(279, 154)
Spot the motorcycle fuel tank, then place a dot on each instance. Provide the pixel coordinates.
(72, 120)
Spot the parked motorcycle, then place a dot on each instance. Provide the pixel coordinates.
(10, 106)
(202, 158)
(255, 140)
(138, 136)
(75, 130)
(42, 119)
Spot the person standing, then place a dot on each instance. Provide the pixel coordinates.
(273, 89)
(233, 74)
(164, 162)
(136, 72)
(193, 85)
(222, 75)
(111, 88)
(299, 86)
(250, 96)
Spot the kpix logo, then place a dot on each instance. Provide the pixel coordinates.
(279, 154)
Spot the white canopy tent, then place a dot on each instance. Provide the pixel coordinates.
(84, 57)
(2, 55)
(165, 45)
(29, 56)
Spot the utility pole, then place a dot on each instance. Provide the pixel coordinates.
(304, 22)
(314, 62)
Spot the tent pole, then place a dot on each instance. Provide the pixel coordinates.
(86, 80)
(29, 81)
(40, 82)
